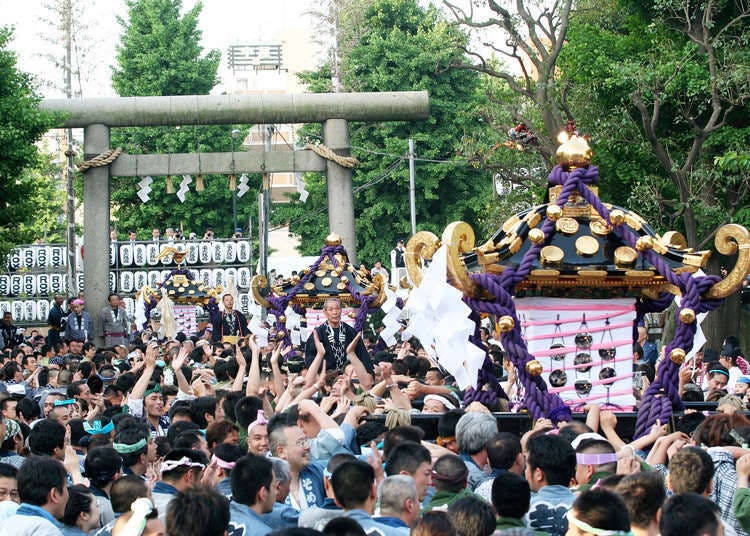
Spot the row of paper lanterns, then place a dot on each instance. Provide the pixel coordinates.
(138, 254)
(124, 281)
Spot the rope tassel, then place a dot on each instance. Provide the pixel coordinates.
(232, 182)
(199, 186)
(170, 185)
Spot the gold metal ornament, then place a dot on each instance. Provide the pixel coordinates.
(644, 243)
(731, 239)
(551, 255)
(600, 227)
(309, 286)
(567, 226)
(574, 153)
(333, 239)
(326, 281)
(282, 319)
(458, 238)
(506, 324)
(616, 217)
(554, 212)
(421, 246)
(320, 273)
(677, 356)
(625, 257)
(687, 315)
(674, 239)
(534, 368)
(536, 236)
(586, 246)
(280, 335)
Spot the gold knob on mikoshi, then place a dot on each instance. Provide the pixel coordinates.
(536, 236)
(677, 356)
(506, 324)
(687, 315)
(616, 217)
(644, 243)
(333, 239)
(534, 368)
(554, 212)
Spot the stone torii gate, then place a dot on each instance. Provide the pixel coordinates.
(97, 116)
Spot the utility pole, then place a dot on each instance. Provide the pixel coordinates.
(412, 177)
(264, 208)
(69, 170)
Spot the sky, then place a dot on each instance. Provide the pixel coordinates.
(223, 22)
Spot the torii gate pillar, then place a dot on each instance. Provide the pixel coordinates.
(339, 186)
(96, 221)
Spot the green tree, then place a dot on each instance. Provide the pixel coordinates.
(401, 46)
(22, 124)
(663, 88)
(160, 54)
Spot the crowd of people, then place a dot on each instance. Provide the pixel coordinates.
(211, 434)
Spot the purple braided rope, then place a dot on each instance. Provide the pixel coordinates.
(485, 375)
(662, 396)
(539, 401)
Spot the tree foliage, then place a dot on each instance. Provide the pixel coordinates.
(22, 124)
(160, 54)
(401, 46)
(663, 88)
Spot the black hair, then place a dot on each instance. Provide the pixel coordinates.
(46, 436)
(644, 494)
(228, 403)
(502, 450)
(79, 501)
(95, 383)
(342, 526)
(448, 421)
(407, 457)
(554, 456)
(125, 490)
(352, 483)
(602, 509)
(199, 407)
(471, 516)
(229, 453)
(131, 433)
(449, 473)
(28, 409)
(689, 514)
(249, 476)
(511, 495)
(398, 435)
(8, 471)
(102, 465)
(190, 439)
(37, 477)
(198, 511)
(246, 411)
(178, 428)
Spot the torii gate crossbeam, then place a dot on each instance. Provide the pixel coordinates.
(97, 116)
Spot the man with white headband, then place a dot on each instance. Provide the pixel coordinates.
(180, 470)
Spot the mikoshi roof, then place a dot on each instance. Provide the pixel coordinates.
(578, 246)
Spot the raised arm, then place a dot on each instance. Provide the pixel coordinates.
(177, 363)
(241, 367)
(312, 371)
(149, 358)
(365, 378)
(253, 377)
(278, 384)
